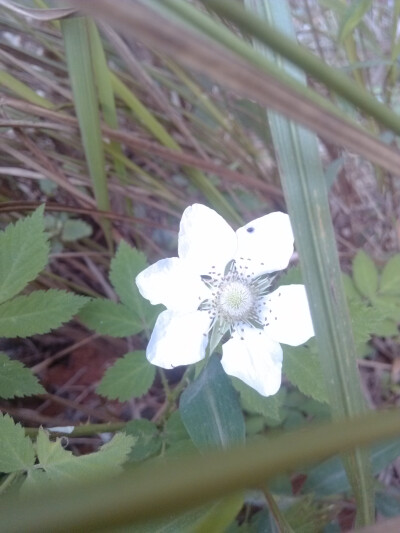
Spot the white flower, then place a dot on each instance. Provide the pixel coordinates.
(221, 282)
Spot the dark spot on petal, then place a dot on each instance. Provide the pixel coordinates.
(250, 230)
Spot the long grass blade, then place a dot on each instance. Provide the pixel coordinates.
(306, 194)
(159, 489)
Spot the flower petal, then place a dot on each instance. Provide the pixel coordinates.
(178, 339)
(255, 359)
(206, 242)
(265, 245)
(288, 315)
(168, 282)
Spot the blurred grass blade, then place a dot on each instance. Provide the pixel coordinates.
(254, 82)
(311, 64)
(105, 93)
(153, 125)
(307, 199)
(80, 68)
(162, 488)
(18, 88)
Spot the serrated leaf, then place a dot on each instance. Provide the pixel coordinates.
(365, 274)
(388, 306)
(110, 318)
(75, 229)
(210, 409)
(38, 312)
(390, 277)
(16, 450)
(126, 265)
(303, 369)
(350, 289)
(147, 439)
(365, 321)
(129, 377)
(24, 253)
(61, 465)
(16, 380)
(253, 402)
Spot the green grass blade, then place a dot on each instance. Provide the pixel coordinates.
(18, 88)
(163, 488)
(151, 123)
(80, 68)
(307, 199)
(105, 92)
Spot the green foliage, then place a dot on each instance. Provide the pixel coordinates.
(253, 402)
(365, 274)
(210, 409)
(109, 318)
(38, 312)
(134, 313)
(129, 377)
(54, 463)
(16, 450)
(352, 17)
(147, 439)
(390, 277)
(23, 253)
(75, 229)
(16, 380)
(302, 366)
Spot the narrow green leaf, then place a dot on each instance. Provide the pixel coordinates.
(110, 318)
(390, 277)
(306, 196)
(24, 253)
(39, 312)
(21, 90)
(365, 274)
(330, 477)
(129, 377)
(16, 380)
(220, 516)
(16, 450)
(210, 409)
(253, 402)
(193, 481)
(80, 68)
(352, 17)
(303, 368)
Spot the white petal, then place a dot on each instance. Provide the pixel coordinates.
(255, 359)
(178, 339)
(168, 282)
(206, 242)
(288, 315)
(265, 245)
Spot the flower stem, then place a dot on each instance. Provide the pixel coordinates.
(281, 522)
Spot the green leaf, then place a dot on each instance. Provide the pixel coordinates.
(365, 274)
(75, 229)
(365, 321)
(303, 368)
(147, 439)
(126, 265)
(16, 450)
(352, 17)
(24, 253)
(329, 477)
(210, 409)
(253, 402)
(61, 465)
(390, 278)
(39, 312)
(350, 289)
(16, 379)
(129, 377)
(110, 318)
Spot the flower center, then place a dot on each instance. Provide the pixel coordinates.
(235, 300)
